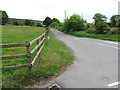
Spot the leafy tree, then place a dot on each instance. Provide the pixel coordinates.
(4, 17)
(100, 23)
(27, 22)
(56, 20)
(47, 21)
(15, 23)
(115, 21)
(74, 23)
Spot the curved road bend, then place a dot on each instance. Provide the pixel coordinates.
(95, 66)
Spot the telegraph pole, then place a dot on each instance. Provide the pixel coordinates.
(65, 15)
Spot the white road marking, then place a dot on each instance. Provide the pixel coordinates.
(113, 84)
(107, 45)
(75, 38)
(111, 42)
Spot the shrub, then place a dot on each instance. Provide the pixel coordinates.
(57, 26)
(91, 29)
(114, 30)
(54, 25)
(107, 30)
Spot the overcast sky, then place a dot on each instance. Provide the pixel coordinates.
(39, 9)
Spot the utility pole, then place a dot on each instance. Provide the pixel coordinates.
(65, 15)
(119, 8)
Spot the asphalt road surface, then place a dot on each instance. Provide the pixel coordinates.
(95, 65)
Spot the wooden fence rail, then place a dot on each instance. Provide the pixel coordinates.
(38, 47)
(14, 45)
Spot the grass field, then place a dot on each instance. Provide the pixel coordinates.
(18, 34)
(112, 37)
(54, 57)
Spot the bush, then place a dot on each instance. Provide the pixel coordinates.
(113, 30)
(74, 23)
(57, 26)
(39, 25)
(91, 29)
(106, 30)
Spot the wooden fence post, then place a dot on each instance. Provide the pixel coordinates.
(28, 55)
(38, 43)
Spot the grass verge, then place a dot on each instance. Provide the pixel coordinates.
(53, 58)
(113, 37)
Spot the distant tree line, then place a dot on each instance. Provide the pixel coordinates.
(5, 20)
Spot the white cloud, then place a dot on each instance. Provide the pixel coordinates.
(39, 9)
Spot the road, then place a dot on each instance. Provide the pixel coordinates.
(95, 65)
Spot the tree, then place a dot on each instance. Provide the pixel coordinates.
(115, 21)
(15, 23)
(47, 21)
(74, 23)
(27, 22)
(4, 17)
(56, 20)
(100, 23)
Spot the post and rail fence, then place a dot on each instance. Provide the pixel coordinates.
(38, 47)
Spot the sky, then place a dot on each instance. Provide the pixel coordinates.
(40, 9)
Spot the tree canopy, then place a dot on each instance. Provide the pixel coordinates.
(74, 23)
(100, 22)
(47, 21)
(115, 21)
(56, 20)
(4, 17)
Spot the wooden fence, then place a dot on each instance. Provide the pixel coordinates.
(38, 47)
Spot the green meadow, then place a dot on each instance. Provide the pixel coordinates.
(51, 61)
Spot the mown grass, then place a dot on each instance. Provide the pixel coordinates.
(18, 34)
(53, 58)
(112, 37)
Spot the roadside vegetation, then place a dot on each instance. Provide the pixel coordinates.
(53, 58)
(99, 29)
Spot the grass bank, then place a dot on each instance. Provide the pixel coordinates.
(112, 37)
(53, 58)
